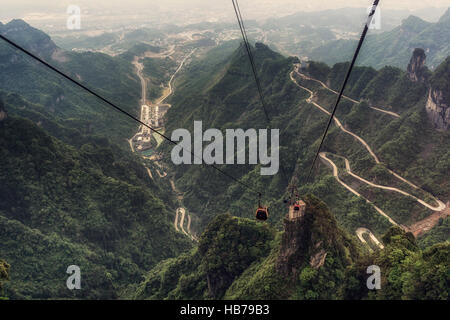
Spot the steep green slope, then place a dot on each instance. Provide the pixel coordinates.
(407, 272)
(112, 77)
(242, 259)
(227, 98)
(29, 37)
(440, 233)
(227, 247)
(159, 72)
(94, 207)
(441, 79)
(311, 259)
(309, 263)
(407, 144)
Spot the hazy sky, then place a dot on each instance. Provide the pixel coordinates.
(222, 9)
(54, 5)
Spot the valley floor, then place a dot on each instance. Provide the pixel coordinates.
(142, 140)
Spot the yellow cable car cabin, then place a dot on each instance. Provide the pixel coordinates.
(297, 210)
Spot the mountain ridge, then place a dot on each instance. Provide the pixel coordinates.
(393, 47)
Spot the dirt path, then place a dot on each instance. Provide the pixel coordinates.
(428, 223)
(175, 223)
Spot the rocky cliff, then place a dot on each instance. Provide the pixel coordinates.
(437, 104)
(417, 71)
(438, 101)
(308, 240)
(438, 109)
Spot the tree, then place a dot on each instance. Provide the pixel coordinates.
(4, 272)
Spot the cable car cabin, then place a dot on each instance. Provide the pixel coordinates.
(262, 213)
(297, 210)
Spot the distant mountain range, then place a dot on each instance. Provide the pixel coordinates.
(348, 19)
(394, 47)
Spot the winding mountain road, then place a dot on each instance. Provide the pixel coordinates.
(179, 223)
(440, 205)
(361, 231)
(336, 176)
(336, 120)
(175, 223)
(439, 208)
(180, 212)
(183, 214)
(344, 96)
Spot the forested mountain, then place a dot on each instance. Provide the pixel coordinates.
(404, 141)
(313, 259)
(113, 77)
(92, 206)
(72, 194)
(394, 47)
(396, 126)
(158, 71)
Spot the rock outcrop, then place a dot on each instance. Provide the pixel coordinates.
(437, 105)
(308, 241)
(3, 113)
(417, 71)
(438, 109)
(438, 102)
